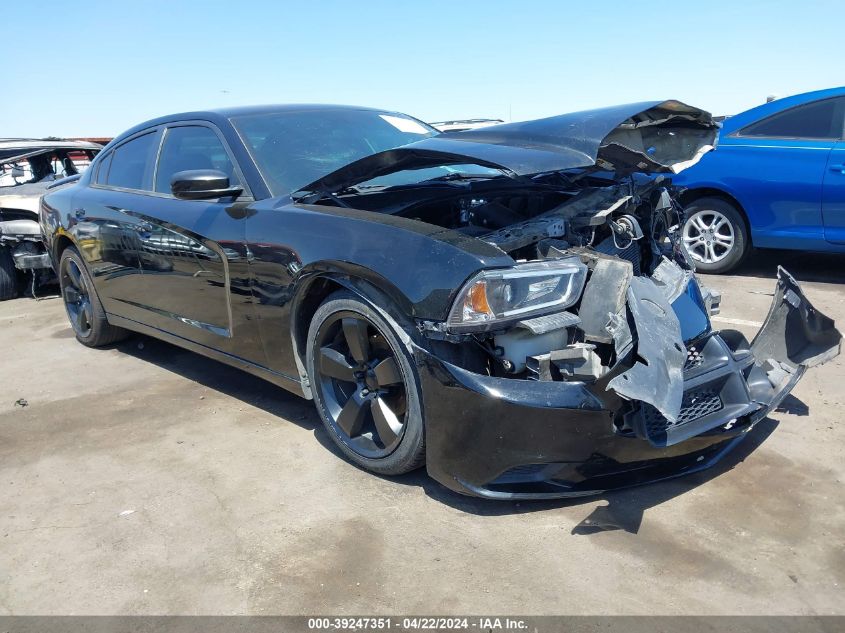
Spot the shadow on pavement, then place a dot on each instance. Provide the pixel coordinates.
(624, 509)
(804, 266)
(791, 404)
(227, 380)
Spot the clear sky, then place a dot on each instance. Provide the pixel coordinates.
(95, 68)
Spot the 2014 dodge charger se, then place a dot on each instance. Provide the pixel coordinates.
(510, 306)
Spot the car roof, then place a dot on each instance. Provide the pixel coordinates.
(738, 121)
(221, 115)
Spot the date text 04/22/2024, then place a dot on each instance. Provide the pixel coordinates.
(417, 623)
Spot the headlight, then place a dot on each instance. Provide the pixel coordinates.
(494, 298)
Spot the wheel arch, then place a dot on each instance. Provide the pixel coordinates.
(60, 243)
(316, 286)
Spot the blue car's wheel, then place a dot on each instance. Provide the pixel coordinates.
(715, 235)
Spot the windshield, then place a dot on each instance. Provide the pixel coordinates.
(293, 149)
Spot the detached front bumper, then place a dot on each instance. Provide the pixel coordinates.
(517, 439)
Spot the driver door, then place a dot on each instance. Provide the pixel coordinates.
(194, 279)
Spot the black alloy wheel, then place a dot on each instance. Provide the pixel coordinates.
(77, 298)
(84, 310)
(364, 386)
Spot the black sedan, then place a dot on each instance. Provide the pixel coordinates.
(509, 306)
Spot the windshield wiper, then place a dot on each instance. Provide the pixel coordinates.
(449, 180)
(361, 189)
(310, 196)
(457, 175)
(454, 179)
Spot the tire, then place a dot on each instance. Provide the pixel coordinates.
(365, 386)
(83, 307)
(715, 235)
(8, 275)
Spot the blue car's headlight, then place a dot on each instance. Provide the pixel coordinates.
(495, 298)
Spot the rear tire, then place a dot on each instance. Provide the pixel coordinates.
(715, 235)
(84, 310)
(365, 386)
(8, 275)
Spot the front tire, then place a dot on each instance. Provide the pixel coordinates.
(84, 310)
(365, 386)
(8, 275)
(715, 235)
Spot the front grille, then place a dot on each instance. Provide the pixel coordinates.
(715, 393)
(695, 405)
(694, 358)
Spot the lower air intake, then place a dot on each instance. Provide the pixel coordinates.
(695, 405)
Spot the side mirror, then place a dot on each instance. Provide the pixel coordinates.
(202, 184)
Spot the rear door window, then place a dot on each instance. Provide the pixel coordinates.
(191, 147)
(131, 163)
(819, 120)
(103, 170)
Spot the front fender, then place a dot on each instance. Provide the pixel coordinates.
(415, 267)
(366, 283)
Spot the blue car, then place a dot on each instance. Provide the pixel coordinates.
(776, 180)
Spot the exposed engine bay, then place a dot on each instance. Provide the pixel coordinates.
(618, 231)
(639, 323)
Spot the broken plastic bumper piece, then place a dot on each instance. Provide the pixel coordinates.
(727, 381)
(508, 439)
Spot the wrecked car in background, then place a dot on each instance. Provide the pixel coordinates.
(510, 306)
(27, 168)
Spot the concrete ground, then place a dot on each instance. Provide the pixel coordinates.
(143, 479)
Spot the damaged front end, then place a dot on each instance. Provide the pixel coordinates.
(22, 250)
(591, 420)
(591, 363)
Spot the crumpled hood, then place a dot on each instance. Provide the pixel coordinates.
(651, 137)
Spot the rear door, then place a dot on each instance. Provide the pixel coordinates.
(104, 220)
(784, 159)
(193, 258)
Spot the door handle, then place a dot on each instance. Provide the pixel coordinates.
(838, 168)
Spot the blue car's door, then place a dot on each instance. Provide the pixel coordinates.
(779, 181)
(833, 196)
